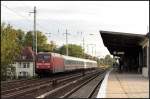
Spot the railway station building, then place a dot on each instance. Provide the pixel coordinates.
(132, 49)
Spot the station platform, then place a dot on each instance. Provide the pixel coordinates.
(124, 85)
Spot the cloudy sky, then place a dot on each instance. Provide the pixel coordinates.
(88, 17)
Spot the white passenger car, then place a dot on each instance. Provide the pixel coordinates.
(73, 63)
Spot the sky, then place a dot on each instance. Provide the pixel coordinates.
(80, 18)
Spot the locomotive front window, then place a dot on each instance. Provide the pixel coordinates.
(40, 57)
(46, 57)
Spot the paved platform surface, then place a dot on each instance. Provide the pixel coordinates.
(126, 85)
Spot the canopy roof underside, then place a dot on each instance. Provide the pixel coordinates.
(121, 42)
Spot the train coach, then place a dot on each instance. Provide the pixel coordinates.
(47, 62)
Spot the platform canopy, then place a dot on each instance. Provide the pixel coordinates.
(119, 42)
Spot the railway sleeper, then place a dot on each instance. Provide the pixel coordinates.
(52, 92)
(82, 85)
(54, 82)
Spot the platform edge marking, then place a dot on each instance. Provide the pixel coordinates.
(102, 90)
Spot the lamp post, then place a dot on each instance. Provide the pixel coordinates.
(67, 51)
(92, 48)
(93, 44)
(83, 43)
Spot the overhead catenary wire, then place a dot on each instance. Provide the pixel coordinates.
(22, 16)
(39, 26)
(26, 18)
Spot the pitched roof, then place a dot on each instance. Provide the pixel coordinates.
(27, 54)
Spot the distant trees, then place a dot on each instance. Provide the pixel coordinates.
(48, 47)
(41, 40)
(73, 49)
(77, 51)
(108, 61)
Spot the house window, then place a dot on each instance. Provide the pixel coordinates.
(28, 65)
(24, 65)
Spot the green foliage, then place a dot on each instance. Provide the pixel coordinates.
(20, 36)
(49, 47)
(41, 41)
(12, 42)
(73, 50)
(10, 46)
(42, 45)
(107, 61)
(28, 40)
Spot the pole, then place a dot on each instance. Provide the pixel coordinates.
(87, 51)
(35, 34)
(95, 50)
(34, 40)
(148, 35)
(149, 54)
(92, 51)
(83, 48)
(66, 42)
(83, 44)
(35, 28)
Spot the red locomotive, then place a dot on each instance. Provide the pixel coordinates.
(48, 62)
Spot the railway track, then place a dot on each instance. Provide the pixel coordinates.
(35, 89)
(19, 83)
(84, 87)
(60, 83)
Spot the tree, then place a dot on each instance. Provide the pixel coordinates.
(20, 36)
(108, 60)
(53, 46)
(28, 40)
(41, 40)
(10, 47)
(49, 47)
(12, 42)
(74, 50)
(20, 39)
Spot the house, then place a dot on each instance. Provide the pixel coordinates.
(24, 64)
